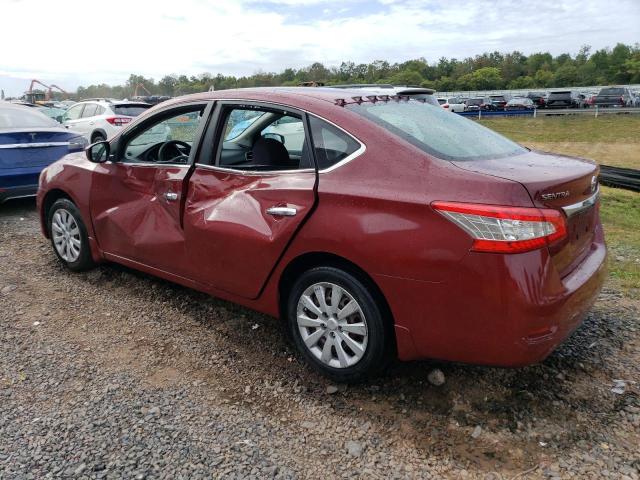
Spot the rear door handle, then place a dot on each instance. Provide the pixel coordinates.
(170, 196)
(282, 211)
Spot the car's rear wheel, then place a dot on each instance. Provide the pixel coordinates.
(69, 235)
(97, 137)
(337, 325)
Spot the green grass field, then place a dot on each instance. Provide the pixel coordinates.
(611, 140)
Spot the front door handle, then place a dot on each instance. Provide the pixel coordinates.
(170, 196)
(282, 211)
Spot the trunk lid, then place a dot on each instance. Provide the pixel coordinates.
(24, 148)
(554, 181)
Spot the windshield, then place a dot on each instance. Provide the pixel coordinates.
(23, 118)
(437, 132)
(239, 121)
(129, 110)
(612, 91)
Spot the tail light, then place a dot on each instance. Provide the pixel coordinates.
(118, 121)
(621, 100)
(445, 105)
(501, 229)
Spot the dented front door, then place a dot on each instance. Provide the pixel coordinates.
(136, 212)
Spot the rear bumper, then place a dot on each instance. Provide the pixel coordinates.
(503, 310)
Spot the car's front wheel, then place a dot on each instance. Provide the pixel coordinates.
(337, 324)
(69, 235)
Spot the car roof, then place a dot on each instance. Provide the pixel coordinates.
(17, 106)
(299, 97)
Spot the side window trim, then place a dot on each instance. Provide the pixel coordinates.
(361, 149)
(122, 139)
(214, 135)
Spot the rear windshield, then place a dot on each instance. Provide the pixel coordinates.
(475, 101)
(498, 98)
(427, 97)
(438, 132)
(129, 110)
(612, 91)
(19, 118)
(559, 95)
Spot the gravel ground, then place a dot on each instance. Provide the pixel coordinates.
(115, 374)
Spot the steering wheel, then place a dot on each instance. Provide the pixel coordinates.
(174, 145)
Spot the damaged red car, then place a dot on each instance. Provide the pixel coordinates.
(376, 226)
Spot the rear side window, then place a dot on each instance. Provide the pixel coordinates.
(437, 132)
(99, 110)
(331, 144)
(129, 110)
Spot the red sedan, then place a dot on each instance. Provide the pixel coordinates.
(375, 226)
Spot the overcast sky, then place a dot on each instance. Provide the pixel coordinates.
(79, 42)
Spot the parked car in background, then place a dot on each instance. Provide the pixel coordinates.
(480, 103)
(52, 112)
(499, 101)
(565, 99)
(589, 100)
(355, 233)
(102, 118)
(614, 97)
(453, 104)
(538, 98)
(29, 141)
(520, 103)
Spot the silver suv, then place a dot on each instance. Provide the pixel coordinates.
(101, 118)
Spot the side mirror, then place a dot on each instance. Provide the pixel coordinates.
(60, 119)
(98, 152)
(275, 136)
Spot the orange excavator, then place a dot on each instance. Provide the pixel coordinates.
(32, 96)
(140, 85)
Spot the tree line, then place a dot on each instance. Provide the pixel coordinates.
(488, 71)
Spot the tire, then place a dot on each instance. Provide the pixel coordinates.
(69, 237)
(97, 137)
(359, 343)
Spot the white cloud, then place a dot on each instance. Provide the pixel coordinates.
(89, 41)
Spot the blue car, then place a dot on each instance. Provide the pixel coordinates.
(29, 141)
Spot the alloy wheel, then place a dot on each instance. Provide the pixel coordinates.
(66, 235)
(332, 325)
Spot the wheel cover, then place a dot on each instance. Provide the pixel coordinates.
(66, 235)
(332, 325)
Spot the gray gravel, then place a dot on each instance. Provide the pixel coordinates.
(115, 374)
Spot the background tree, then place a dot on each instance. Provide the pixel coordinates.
(487, 71)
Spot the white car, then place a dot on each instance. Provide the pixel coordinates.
(99, 119)
(453, 104)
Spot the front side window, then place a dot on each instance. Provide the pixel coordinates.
(89, 110)
(262, 140)
(74, 112)
(169, 140)
(436, 131)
